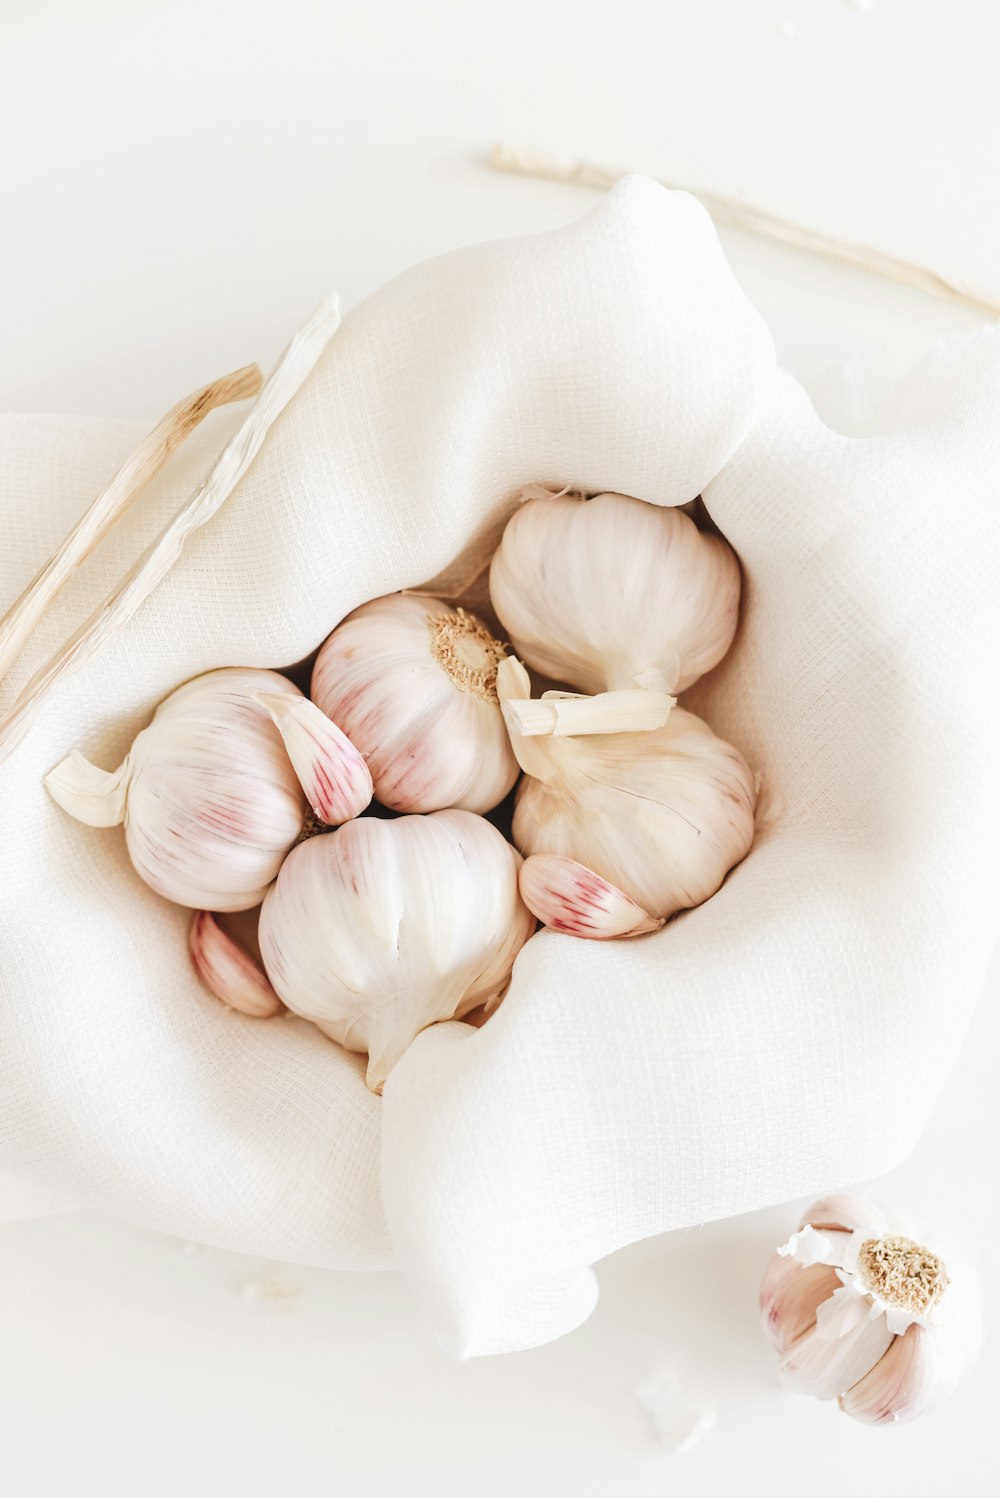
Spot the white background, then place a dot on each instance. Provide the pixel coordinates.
(180, 184)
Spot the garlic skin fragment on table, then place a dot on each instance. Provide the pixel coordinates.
(662, 815)
(412, 682)
(382, 928)
(678, 1421)
(611, 593)
(863, 1312)
(208, 794)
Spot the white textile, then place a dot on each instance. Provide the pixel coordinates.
(785, 1038)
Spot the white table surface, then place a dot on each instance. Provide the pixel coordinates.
(182, 183)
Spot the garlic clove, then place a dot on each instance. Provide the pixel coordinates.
(607, 712)
(790, 1296)
(826, 1365)
(568, 897)
(921, 1367)
(894, 1390)
(229, 972)
(333, 774)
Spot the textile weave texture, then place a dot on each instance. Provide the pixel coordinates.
(787, 1037)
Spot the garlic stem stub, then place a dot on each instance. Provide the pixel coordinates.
(662, 815)
(864, 1313)
(382, 928)
(412, 682)
(208, 793)
(611, 593)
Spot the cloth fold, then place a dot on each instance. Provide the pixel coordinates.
(787, 1036)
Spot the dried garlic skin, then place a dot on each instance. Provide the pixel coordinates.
(382, 928)
(412, 683)
(863, 1314)
(612, 593)
(663, 815)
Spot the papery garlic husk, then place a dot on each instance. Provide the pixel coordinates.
(864, 1313)
(662, 815)
(611, 593)
(208, 793)
(384, 927)
(412, 682)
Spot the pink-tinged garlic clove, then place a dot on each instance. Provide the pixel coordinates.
(924, 1364)
(568, 897)
(790, 1296)
(894, 1389)
(229, 972)
(826, 1365)
(333, 774)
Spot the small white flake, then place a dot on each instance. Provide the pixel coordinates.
(786, 28)
(272, 1289)
(808, 1247)
(865, 5)
(678, 1423)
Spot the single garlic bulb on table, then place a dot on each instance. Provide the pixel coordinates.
(412, 682)
(381, 928)
(864, 1313)
(660, 817)
(611, 593)
(218, 787)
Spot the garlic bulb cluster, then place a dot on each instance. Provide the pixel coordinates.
(612, 594)
(864, 1313)
(412, 682)
(660, 817)
(630, 809)
(217, 788)
(381, 928)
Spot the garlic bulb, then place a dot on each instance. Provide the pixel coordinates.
(213, 792)
(611, 593)
(862, 1312)
(412, 683)
(381, 928)
(662, 815)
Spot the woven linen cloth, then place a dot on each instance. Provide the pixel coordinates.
(787, 1037)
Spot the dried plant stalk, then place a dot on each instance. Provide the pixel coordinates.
(126, 486)
(106, 620)
(739, 215)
